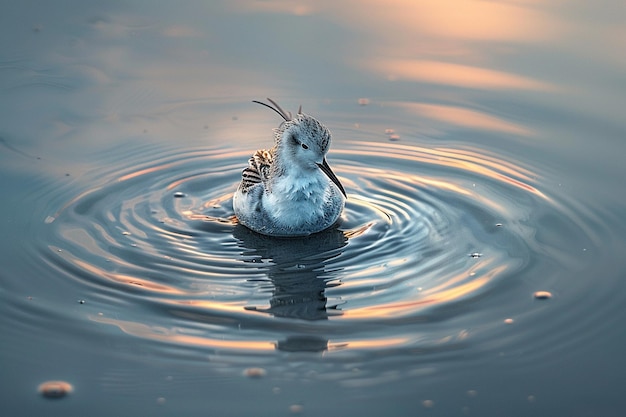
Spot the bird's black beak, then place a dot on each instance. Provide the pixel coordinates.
(330, 174)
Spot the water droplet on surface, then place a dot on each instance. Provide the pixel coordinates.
(178, 194)
(428, 403)
(254, 372)
(542, 295)
(55, 389)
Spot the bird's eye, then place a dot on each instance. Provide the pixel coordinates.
(304, 146)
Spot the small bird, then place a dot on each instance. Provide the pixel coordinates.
(289, 190)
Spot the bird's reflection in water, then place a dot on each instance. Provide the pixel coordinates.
(297, 269)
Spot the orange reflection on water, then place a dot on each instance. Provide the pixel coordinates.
(127, 279)
(459, 19)
(456, 75)
(465, 160)
(464, 117)
(453, 289)
(143, 172)
(370, 344)
(163, 334)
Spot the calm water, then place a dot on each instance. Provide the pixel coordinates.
(481, 146)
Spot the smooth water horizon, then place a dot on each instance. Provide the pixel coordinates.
(477, 269)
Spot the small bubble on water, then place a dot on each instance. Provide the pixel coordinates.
(472, 393)
(134, 245)
(81, 301)
(531, 398)
(498, 224)
(160, 400)
(394, 137)
(55, 389)
(542, 295)
(364, 101)
(254, 372)
(475, 255)
(296, 409)
(428, 403)
(126, 233)
(508, 321)
(178, 194)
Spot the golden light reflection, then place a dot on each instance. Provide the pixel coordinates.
(162, 334)
(144, 172)
(456, 75)
(522, 20)
(465, 117)
(370, 344)
(460, 19)
(465, 160)
(127, 279)
(454, 289)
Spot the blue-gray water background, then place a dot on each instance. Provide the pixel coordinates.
(481, 144)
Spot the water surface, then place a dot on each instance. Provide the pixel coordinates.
(480, 146)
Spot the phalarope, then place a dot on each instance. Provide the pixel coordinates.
(289, 190)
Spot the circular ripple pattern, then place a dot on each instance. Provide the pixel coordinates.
(428, 242)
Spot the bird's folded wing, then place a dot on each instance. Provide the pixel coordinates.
(258, 169)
